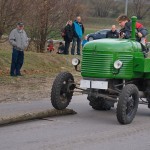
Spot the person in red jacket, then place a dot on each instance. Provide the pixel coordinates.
(50, 46)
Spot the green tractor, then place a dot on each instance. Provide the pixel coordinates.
(113, 71)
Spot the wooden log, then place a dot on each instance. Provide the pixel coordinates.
(35, 115)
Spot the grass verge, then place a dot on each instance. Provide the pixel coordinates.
(36, 65)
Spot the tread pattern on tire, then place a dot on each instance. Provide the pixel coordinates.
(56, 88)
(122, 104)
(99, 104)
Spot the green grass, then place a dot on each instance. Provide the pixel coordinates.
(88, 31)
(37, 64)
(99, 23)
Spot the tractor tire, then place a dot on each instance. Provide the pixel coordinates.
(62, 90)
(128, 104)
(99, 104)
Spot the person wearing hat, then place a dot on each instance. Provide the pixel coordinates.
(19, 41)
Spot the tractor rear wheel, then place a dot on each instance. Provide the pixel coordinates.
(100, 103)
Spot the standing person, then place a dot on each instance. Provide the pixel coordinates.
(19, 41)
(78, 29)
(68, 36)
(113, 33)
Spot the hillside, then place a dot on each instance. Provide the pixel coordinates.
(39, 71)
(37, 64)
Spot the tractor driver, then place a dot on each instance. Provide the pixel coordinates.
(125, 31)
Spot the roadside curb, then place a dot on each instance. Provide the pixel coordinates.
(5, 120)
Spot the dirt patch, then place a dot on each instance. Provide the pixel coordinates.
(26, 89)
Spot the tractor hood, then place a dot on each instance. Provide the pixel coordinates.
(113, 45)
(99, 56)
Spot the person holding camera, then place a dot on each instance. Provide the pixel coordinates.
(68, 36)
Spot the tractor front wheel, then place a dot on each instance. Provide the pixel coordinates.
(62, 90)
(128, 104)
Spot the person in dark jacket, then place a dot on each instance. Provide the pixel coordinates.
(78, 29)
(68, 36)
(61, 48)
(113, 33)
(125, 31)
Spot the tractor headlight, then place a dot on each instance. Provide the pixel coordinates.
(118, 64)
(75, 61)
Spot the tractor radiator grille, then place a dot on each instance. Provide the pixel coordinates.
(97, 64)
(127, 69)
(100, 65)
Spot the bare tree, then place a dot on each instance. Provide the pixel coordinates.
(11, 11)
(102, 8)
(48, 18)
(141, 8)
(73, 8)
(43, 18)
(44, 21)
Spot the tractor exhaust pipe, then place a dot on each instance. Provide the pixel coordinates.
(134, 18)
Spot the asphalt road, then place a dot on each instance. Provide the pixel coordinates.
(87, 130)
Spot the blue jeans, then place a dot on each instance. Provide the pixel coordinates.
(17, 62)
(78, 41)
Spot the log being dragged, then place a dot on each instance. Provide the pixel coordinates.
(35, 115)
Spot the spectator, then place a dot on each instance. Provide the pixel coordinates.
(68, 36)
(78, 29)
(84, 41)
(61, 48)
(19, 41)
(50, 46)
(113, 33)
(125, 31)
